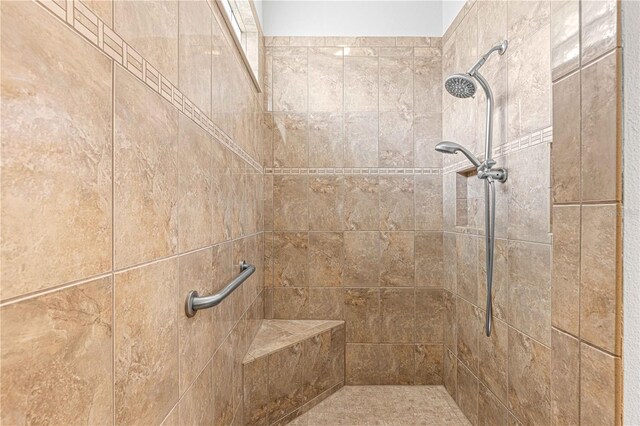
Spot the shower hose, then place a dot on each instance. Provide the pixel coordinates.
(489, 225)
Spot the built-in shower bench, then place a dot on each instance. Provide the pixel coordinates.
(291, 365)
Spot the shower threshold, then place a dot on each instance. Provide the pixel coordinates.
(385, 405)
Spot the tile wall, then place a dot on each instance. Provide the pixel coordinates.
(554, 355)
(131, 174)
(353, 198)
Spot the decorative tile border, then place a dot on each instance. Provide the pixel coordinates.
(540, 136)
(353, 41)
(84, 22)
(351, 171)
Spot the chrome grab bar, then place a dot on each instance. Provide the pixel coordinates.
(195, 303)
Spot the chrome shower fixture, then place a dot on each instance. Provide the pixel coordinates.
(464, 86)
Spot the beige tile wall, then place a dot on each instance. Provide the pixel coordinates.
(353, 198)
(131, 174)
(554, 355)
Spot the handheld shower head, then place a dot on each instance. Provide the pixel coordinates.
(448, 147)
(460, 85)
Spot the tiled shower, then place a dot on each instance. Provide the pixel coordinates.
(142, 159)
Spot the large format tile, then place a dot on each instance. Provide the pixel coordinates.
(326, 259)
(361, 200)
(151, 28)
(146, 342)
(194, 61)
(361, 83)
(290, 81)
(601, 174)
(326, 77)
(397, 203)
(290, 203)
(600, 32)
(429, 259)
(395, 140)
(565, 37)
(196, 406)
(145, 173)
(290, 140)
(361, 254)
(57, 366)
(379, 364)
(599, 404)
(361, 139)
(326, 139)
(565, 379)
(56, 153)
(396, 259)
(326, 203)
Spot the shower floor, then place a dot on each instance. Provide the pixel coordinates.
(385, 405)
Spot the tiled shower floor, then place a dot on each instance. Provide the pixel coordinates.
(385, 405)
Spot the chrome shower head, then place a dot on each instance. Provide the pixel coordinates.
(460, 85)
(448, 147)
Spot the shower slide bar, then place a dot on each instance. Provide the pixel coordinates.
(194, 303)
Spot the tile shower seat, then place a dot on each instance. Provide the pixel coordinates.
(290, 367)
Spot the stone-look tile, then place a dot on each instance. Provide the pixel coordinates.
(256, 391)
(320, 368)
(565, 271)
(145, 173)
(196, 343)
(361, 83)
(326, 203)
(397, 315)
(599, 277)
(195, 44)
(361, 201)
(395, 139)
(430, 311)
(291, 259)
(469, 328)
(428, 202)
(396, 84)
(379, 364)
(529, 308)
(266, 129)
(225, 315)
(496, 74)
(600, 131)
(173, 418)
(468, 393)
(326, 139)
(450, 374)
(565, 150)
(151, 28)
(290, 203)
(223, 201)
(290, 140)
(396, 259)
(529, 87)
(526, 18)
(529, 199)
(493, 17)
(599, 22)
(196, 406)
(146, 342)
(450, 326)
(195, 149)
(361, 139)
(490, 411)
(598, 388)
(565, 379)
(467, 261)
(492, 365)
(529, 376)
(362, 315)
(450, 267)
(396, 205)
(326, 259)
(429, 360)
(290, 81)
(427, 80)
(57, 366)
(326, 76)
(56, 153)
(565, 38)
(361, 254)
(223, 366)
(427, 132)
(499, 286)
(285, 381)
(268, 214)
(429, 259)
(308, 303)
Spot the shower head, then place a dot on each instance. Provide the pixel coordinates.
(448, 147)
(460, 85)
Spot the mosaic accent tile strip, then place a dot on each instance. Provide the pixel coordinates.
(351, 171)
(87, 24)
(540, 136)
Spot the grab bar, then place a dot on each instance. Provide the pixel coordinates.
(195, 303)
